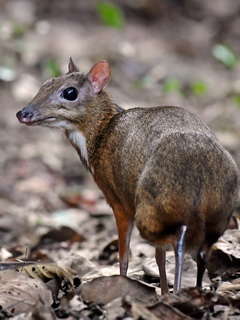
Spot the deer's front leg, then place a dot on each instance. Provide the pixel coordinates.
(124, 227)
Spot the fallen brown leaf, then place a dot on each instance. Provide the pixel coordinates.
(105, 289)
(20, 294)
(229, 243)
(64, 233)
(164, 311)
(46, 272)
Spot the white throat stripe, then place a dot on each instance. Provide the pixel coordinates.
(78, 139)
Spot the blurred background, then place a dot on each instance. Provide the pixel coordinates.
(169, 52)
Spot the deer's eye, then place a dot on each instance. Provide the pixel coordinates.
(70, 94)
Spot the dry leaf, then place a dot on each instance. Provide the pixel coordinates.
(20, 294)
(228, 286)
(114, 309)
(102, 290)
(164, 311)
(222, 264)
(140, 312)
(229, 243)
(64, 233)
(46, 272)
(77, 197)
(79, 263)
(110, 252)
(37, 184)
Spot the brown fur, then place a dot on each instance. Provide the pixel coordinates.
(181, 174)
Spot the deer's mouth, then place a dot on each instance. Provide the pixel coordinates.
(41, 121)
(27, 116)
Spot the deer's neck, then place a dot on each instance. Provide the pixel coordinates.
(88, 132)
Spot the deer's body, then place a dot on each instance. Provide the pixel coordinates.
(160, 167)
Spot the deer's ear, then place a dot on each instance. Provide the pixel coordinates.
(71, 66)
(99, 75)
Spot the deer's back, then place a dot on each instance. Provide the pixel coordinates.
(165, 154)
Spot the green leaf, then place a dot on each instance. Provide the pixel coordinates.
(52, 67)
(236, 99)
(225, 55)
(18, 30)
(199, 88)
(110, 14)
(144, 82)
(171, 84)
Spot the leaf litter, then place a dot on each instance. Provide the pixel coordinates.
(44, 216)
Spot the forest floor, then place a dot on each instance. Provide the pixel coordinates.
(50, 208)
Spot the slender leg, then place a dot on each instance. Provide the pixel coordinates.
(179, 254)
(201, 267)
(160, 255)
(124, 226)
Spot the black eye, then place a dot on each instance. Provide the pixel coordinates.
(70, 94)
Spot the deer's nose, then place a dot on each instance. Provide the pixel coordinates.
(24, 115)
